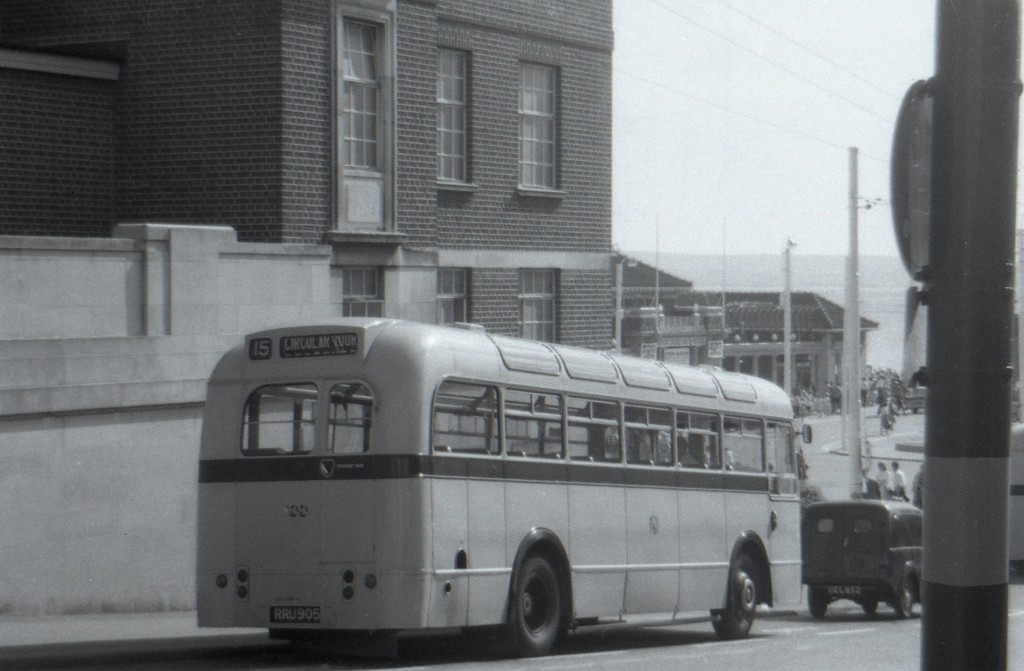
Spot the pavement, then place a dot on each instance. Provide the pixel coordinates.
(97, 640)
(828, 458)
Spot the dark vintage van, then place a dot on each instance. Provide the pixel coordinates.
(863, 550)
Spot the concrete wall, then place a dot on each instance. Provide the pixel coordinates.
(105, 350)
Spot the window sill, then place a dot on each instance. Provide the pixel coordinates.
(535, 192)
(366, 237)
(460, 187)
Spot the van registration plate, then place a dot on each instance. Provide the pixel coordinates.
(295, 614)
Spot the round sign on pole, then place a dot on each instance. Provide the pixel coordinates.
(911, 178)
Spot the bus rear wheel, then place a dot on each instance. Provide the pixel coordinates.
(735, 620)
(536, 608)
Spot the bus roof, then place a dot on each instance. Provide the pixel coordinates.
(471, 352)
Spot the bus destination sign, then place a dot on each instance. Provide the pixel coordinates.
(324, 344)
(292, 347)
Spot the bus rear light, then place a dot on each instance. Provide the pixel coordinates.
(222, 581)
(348, 592)
(348, 575)
(370, 581)
(242, 574)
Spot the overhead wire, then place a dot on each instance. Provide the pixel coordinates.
(810, 51)
(771, 62)
(745, 115)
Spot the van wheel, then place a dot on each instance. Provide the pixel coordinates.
(741, 602)
(536, 608)
(869, 607)
(904, 603)
(817, 603)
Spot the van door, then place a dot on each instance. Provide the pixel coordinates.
(865, 540)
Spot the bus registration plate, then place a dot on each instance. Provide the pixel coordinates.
(295, 614)
(844, 590)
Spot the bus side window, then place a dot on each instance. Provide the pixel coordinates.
(743, 442)
(781, 453)
(351, 418)
(648, 436)
(593, 430)
(697, 440)
(280, 419)
(465, 418)
(533, 424)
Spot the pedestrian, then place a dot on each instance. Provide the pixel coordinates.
(883, 481)
(887, 420)
(835, 397)
(871, 489)
(899, 483)
(919, 487)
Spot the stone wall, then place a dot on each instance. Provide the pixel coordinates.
(105, 358)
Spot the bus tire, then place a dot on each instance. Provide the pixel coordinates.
(535, 611)
(735, 620)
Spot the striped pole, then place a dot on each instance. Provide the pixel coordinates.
(969, 284)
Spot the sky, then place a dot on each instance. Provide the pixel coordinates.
(733, 121)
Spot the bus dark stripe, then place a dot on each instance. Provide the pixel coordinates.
(1016, 490)
(380, 467)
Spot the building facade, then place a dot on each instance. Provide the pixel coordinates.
(176, 173)
(454, 154)
(665, 317)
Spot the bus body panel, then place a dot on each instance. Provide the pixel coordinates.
(652, 550)
(490, 571)
(703, 549)
(534, 505)
(597, 547)
(216, 555)
(784, 550)
(745, 511)
(403, 538)
(449, 589)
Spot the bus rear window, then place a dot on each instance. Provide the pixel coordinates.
(280, 419)
(465, 418)
(351, 414)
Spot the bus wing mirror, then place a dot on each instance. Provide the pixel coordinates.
(807, 432)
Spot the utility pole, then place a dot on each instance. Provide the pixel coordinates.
(851, 345)
(969, 292)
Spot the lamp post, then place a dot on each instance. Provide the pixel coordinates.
(851, 346)
(787, 321)
(618, 305)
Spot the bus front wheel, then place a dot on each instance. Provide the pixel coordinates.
(536, 608)
(735, 620)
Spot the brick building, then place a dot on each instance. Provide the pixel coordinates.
(454, 154)
(175, 173)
